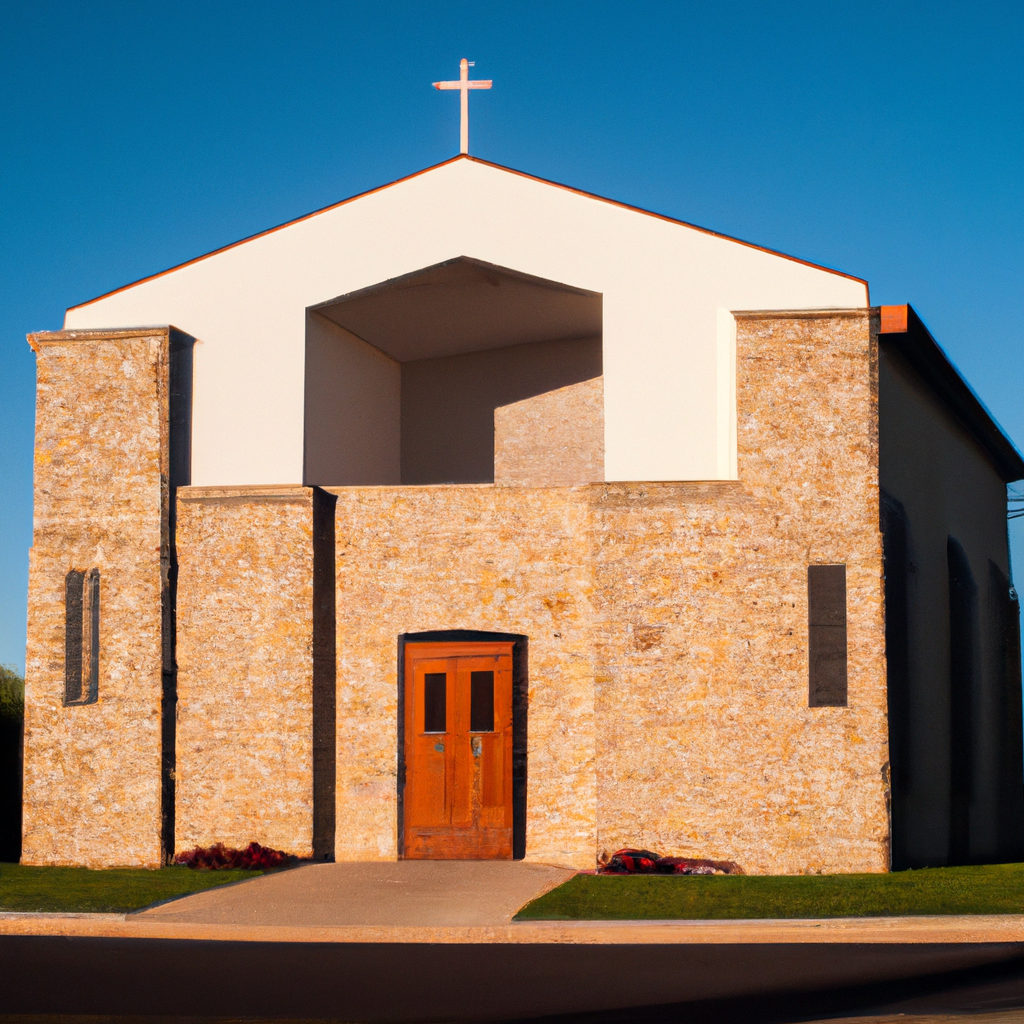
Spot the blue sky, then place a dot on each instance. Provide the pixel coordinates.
(886, 140)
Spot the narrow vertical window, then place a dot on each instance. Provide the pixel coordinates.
(826, 621)
(81, 636)
(73, 593)
(481, 702)
(435, 703)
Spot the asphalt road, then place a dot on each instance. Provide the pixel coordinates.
(748, 983)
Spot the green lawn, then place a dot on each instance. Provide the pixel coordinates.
(992, 889)
(115, 890)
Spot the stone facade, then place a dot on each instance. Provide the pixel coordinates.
(245, 668)
(708, 746)
(93, 780)
(413, 559)
(666, 624)
(551, 440)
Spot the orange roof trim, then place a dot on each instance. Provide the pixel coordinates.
(894, 320)
(486, 163)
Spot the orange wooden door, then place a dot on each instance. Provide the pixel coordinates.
(458, 751)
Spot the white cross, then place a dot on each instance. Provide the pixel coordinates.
(464, 85)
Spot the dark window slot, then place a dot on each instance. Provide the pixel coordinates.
(81, 636)
(435, 702)
(826, 621)
(73, 594)
(481, 702)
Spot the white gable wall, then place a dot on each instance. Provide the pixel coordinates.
(663, 285)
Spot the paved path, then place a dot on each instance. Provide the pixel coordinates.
(410, 893)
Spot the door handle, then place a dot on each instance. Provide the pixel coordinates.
(478, 746)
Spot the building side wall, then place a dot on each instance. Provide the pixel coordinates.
(553, 440)
(706, 744)
(511, 560)
(245, 668)
(947, 487)
(92, 791)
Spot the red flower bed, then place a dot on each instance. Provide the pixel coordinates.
(221, 856)
(644, 862)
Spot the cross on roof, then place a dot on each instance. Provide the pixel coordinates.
(464, 85)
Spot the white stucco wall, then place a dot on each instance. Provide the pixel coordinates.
(354, 392)
(665, 341)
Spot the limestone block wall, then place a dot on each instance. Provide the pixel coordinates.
(245, 668)
(667, 625)
(93, 771)
(706, 743)
(479, 557)
(555, 439)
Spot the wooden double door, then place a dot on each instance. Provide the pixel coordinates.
(457, 802)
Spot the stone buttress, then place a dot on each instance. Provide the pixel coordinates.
(100, 666)
(256, 669)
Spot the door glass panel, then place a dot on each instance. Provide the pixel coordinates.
(434, 702)
(481, 702)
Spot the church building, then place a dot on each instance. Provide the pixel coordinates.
(480, 517)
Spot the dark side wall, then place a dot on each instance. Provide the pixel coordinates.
(954, 675)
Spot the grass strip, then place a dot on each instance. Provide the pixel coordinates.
(112, 890)
(988, 889)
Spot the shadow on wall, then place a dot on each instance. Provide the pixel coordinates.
(448, 404)
(12, 719)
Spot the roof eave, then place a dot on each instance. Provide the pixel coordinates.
(904, 330)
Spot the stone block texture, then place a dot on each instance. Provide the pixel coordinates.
(245, 668)
(707, 745)
(93, 782)
(555, 439)
(479, 557)
(667, 625)
(667, 652)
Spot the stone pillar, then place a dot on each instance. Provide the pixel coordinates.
(256, 668)
(100, 616)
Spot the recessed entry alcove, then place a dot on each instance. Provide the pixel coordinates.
(403, 378)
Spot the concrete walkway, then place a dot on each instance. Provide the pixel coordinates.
(419, 893)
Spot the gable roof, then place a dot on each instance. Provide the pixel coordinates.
(485, 163)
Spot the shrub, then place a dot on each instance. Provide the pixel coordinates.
(12, 696)
(220, 856)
